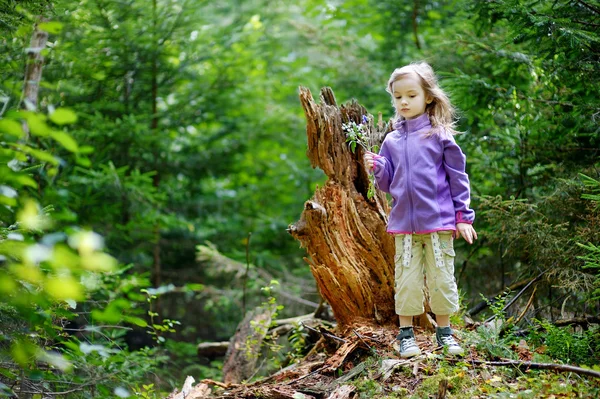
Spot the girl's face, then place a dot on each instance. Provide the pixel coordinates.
(409, 97)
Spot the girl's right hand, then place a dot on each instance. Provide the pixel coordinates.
(369, 159)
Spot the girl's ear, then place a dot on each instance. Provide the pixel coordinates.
(429, 100)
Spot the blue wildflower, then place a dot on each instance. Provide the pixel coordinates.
(365, 119)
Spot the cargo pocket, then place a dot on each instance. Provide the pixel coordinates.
(449, 258)
(403, 250)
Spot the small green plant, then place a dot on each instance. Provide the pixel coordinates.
(567, 346)
(157, 330)
(495, 336)
(261, 327)
(357, 134)
(297, 339)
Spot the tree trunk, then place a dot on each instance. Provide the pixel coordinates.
(351, 255)
(33, 69)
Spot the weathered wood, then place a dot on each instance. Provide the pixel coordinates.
(336, 360)
(188, 391)
(582, 321)
(342, 392)
(279, 392)
(244, 347)
(212, 349)
(350, 254)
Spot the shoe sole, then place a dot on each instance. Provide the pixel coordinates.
(410, 354)
(455, 352)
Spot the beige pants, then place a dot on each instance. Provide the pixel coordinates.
(432, 254)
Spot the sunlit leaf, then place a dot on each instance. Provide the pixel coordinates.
(37, 124)
(63, 288)
(64, 257)
(63, 116)
(65, 140)
(11, 127)
(52, 27)
(84, 161)
(7, 284)
(23, 352)
(113, 313)
(136, 320)
(98, 261)
(32, 274)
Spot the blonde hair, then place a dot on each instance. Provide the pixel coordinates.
(441, 112)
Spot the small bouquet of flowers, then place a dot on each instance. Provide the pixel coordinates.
(357, 134)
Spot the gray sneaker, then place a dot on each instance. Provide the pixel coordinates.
(444, 338)
(407, 344)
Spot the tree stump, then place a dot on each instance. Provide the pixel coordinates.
(350, 254)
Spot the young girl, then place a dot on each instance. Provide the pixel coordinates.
(423, 169)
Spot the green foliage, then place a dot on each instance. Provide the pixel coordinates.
(171, 125)
(268, 343)
(297, 339)
(495, 338)
(565, 345)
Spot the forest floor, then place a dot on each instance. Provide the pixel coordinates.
(366, 364)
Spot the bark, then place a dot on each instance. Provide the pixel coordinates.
(342, 392)
(244, 347)
(33, 69)
(350, 254)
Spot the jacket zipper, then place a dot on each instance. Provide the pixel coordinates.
(410, 194)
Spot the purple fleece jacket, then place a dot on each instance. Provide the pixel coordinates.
(425, 177)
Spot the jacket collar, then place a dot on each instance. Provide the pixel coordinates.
(413, 125)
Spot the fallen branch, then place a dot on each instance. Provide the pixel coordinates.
(324, 333)
(516, 296)
(373, 350)
(530, 365)
(582, 321)
(212, 349)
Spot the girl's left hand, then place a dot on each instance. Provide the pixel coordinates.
(467, 232)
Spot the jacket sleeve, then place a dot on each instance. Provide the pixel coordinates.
(454, 164)
(383, 168)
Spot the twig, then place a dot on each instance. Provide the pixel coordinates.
(527, 306)
(516, 296)
(531, 365)
(597, 11)
(306, 375)
(323, 333)
(364, 342)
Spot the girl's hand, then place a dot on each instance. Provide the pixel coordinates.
(467, 231)
(369, 159)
